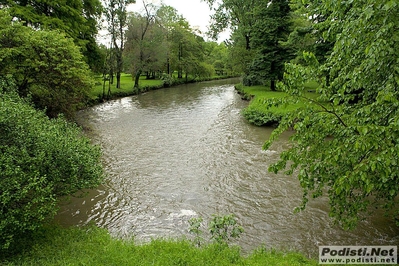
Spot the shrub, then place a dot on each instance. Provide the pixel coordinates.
(40, 160)
(46, 65)
(262, 117)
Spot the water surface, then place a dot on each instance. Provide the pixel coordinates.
(185, 152)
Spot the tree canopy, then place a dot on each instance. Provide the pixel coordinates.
(76, 18)
(271, 29)
(44, 64)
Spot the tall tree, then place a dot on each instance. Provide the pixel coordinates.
(116, 14)
(168, 19)
(76, 18)
(138, 40)
(346, 143)
(46, 65)
(236, 15)
(271, 30)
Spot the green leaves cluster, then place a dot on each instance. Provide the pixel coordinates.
(40, 160)
(77, 19)
(346, 143)
(223, 229)
(46, 65)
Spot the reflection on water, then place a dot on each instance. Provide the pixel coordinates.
(185, 152)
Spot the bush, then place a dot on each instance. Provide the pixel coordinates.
(262, 117)
(46, 65)
(40, 160)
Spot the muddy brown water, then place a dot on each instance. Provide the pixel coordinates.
(184, 152)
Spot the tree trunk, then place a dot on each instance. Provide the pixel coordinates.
(118, 80)
(168, 65)
(247, 42)
(273, 85)
(136, 78)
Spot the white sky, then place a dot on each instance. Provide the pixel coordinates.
(196, 12)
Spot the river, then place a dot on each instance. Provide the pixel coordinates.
(184, 152)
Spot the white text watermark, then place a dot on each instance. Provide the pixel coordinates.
(358, 254)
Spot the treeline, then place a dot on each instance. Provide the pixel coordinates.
(265, 35)
(161, 44)
(51, 53)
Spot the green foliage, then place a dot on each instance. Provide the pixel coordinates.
(234, 15)
(195, 224)
(267, 108)
(346, 142)
(94, 246)
(270, 31)
(262, 118)
(40, 160)
(77, 19)
(44, 64)
(222, 229)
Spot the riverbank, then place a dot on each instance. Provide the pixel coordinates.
(259, 113)
(103, 92)
(94, 246)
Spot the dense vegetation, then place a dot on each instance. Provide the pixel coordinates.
(40, 160)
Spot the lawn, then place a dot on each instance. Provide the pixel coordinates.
(94, 246)
(259, 113)
(127, 84)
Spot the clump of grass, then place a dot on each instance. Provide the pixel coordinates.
(93, 246)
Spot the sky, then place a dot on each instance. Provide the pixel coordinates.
(196, 12)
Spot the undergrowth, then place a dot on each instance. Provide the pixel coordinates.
(94, 246)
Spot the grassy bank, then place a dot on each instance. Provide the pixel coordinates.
(94, 246)
(127, 86)
(259, 113)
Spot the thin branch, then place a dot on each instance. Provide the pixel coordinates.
(326, 110)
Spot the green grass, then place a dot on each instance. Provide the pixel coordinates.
(94, 246)
(258, 113)
(127, 84)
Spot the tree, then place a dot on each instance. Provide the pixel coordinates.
(217, 55)
(309, 32)
(76, 18)
(346, 143)
(236, 15)
(116, 14)
(46, 65)
(190, 56)
(271, 30)
(40, 160)
(139, 42)
(168, 19)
